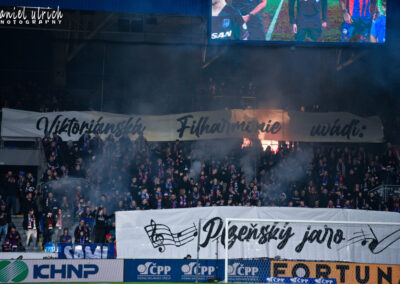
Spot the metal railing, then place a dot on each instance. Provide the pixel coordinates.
(385, 191)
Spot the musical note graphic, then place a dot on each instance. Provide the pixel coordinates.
(160, 235)
(375, 245)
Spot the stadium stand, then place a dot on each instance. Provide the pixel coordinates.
(86, 182)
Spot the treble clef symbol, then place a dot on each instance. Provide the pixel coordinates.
(156, 238)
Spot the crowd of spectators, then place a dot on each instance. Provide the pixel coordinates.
(87, 181)
(31, 96)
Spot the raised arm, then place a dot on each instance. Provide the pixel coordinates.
(256, 10)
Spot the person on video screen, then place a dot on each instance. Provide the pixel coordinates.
(310, 19)
(357, 20)
(250, 11)
(378, 27)
(227, 23)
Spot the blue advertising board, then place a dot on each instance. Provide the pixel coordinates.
(81, 251)
(291, 280)
(184, 270)
(248, 271)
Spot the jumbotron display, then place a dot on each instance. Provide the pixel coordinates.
(330, 21)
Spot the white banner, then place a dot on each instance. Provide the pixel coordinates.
(173, 233)
(56, 270)
(267, 124)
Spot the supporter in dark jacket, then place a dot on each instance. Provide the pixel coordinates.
(373, 201)
(82, 238)
(50, 204)
(29, 203)
(48, 227)
(81, 228)
(12, 241)
(100, 226)
(11, 192)
(312, 197)
(65, 237)
(5, 219)
(324, 198)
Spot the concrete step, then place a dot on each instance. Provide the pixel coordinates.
(17, 219)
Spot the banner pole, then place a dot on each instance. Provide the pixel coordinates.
(198, 252)
(216, 263)
(226, 249)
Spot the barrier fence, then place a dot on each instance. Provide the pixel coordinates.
(184, 270)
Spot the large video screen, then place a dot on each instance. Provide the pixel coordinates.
(332, 21)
